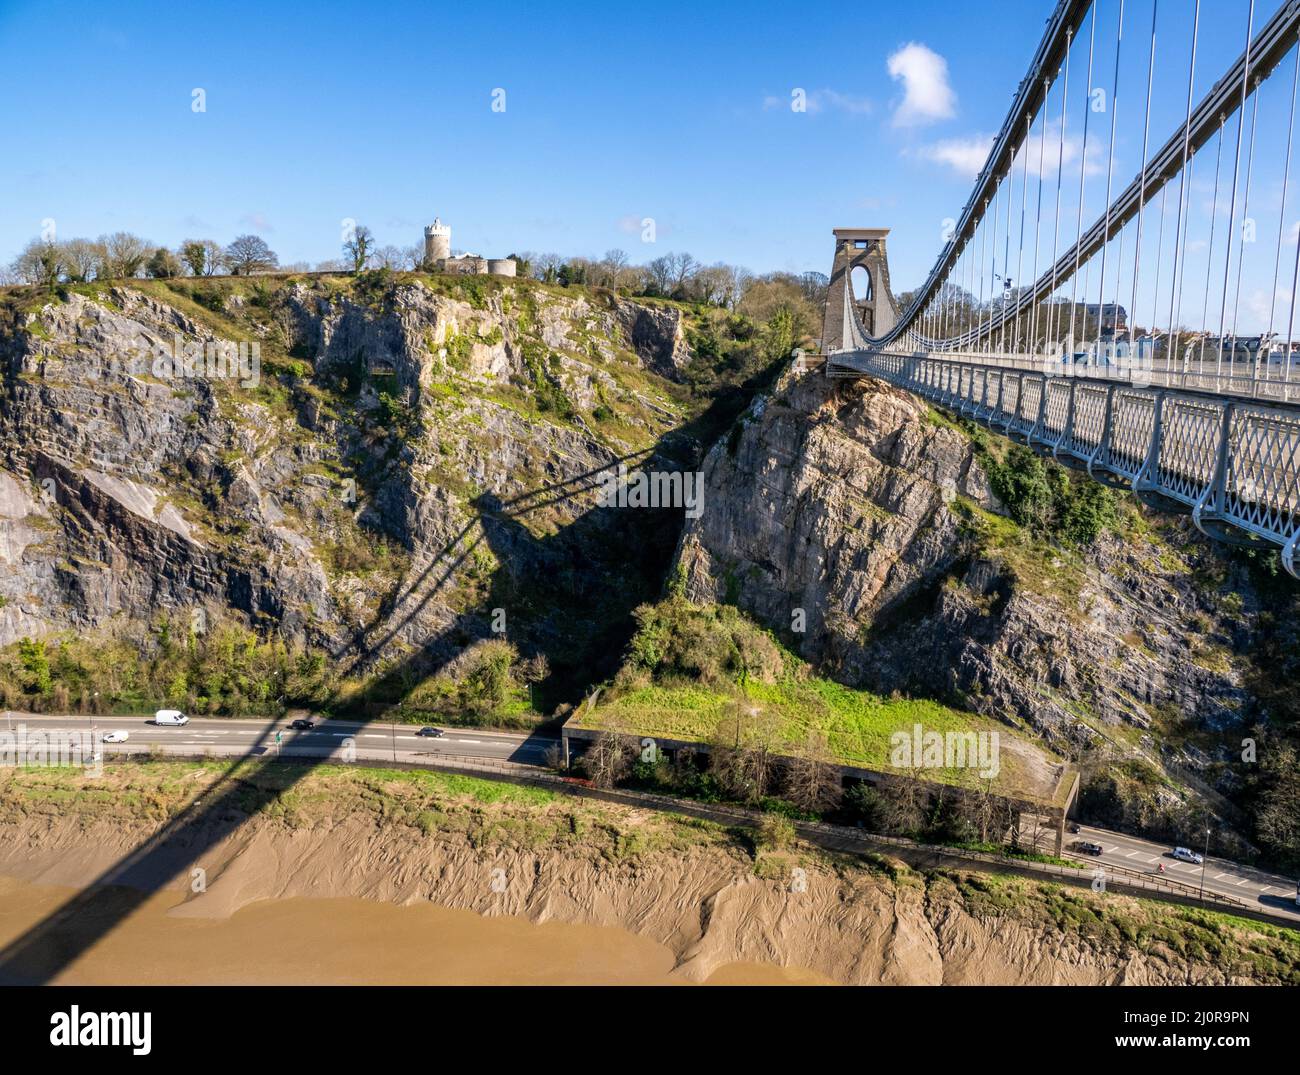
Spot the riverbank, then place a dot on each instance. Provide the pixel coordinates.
(710, 897)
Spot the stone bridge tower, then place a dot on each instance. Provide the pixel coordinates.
(877, 312)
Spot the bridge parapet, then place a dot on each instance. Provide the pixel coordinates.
(1232, 462)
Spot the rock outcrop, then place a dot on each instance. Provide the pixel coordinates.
(399, 414)
(854, 511)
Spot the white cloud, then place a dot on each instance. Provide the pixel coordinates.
(965, 156)
(1047, 146)
(926, 94)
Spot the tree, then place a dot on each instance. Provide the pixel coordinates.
(202, 257)
(681, 267)
(391, 257)
(39, 263)
(812, 779)
(81, 258)
(659, 273)
(546, 267)
(413, 256)
(743, 753)
(359, 247)
(612, 267)
(609, 758)
(163, 264)
(124, 255)
(249, 254)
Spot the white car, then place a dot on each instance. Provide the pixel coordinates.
(115, 737)
(1187, 855)
(172, 717)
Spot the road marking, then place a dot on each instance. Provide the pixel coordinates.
(1220, 876)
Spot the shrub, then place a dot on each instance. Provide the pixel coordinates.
(1045, 498)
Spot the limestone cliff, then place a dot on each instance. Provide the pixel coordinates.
(409, 447)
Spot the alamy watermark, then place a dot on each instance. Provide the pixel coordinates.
(922, 749)
(22, 748)
(653, 489)
(180, 359)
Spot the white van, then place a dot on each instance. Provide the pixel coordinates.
(172, 717)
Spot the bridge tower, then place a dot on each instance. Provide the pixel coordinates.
(877, 312)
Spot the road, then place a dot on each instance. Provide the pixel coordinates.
(370, 740)
(226, 736)
(1255, 888)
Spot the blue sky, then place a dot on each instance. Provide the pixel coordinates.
(614, 113)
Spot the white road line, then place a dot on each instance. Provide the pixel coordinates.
(1220, 876)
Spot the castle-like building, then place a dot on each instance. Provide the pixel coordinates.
(437, 255)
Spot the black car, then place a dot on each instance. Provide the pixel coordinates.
(1090, 849)
(431, 733)
(303, 725)
(1074, 828)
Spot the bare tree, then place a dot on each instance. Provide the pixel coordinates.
(390, 257)
(249, 254)
(609, 758)
(546, 267)
(413, 256)
(682, 266)
(125, 255)
(81, 258)
(659, 273)
(812, 779)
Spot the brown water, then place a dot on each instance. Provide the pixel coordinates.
(350, 941)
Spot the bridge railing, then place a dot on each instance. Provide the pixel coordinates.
(1233, 462)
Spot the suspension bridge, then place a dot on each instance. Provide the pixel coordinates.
(1152, 341)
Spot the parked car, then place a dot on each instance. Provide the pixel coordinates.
(1089, 849)
(431, 733)
(1074, 828)
(115, 737)
(303, 725)
(173, 717)
(1185, 854)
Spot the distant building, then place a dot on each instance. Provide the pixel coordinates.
(437, 255)
(1111, 317)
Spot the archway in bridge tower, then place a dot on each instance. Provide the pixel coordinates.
(860, 281)
(860, 275)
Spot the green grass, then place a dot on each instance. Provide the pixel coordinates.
(857, 724)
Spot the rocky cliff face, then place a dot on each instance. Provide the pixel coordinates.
(855, 511)
(362, 496)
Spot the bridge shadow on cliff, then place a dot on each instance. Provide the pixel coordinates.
(569, 594)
